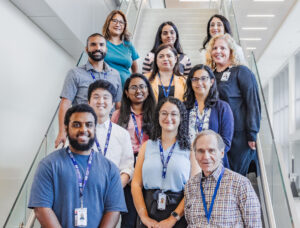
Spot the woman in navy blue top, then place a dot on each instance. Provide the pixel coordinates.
(237, 86)
(205, 109)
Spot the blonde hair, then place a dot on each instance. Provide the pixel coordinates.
(105, 29)
(234, 58)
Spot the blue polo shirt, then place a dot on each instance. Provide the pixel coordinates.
(55, 186)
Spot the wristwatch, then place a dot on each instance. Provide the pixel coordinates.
(175, 215)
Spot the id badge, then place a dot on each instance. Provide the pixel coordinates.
(162, 201)
(225, 76)
(81, 217)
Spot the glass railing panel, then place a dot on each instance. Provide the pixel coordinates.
(124, 5)
(274, 172)
(132, 14)
(19, 213)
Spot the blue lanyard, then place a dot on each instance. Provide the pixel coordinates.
(208, 213)
(81, 182)
(165, 164)
(93, 76)
(166, 93)
(106, 142)
(138, 135)
(199, 123)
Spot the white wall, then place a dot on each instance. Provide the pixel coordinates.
(32, 71)
(86, 17)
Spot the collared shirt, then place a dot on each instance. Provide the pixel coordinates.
(119, 149)
(193, 129)
(236, 203)
(131, 129)
(79, 79)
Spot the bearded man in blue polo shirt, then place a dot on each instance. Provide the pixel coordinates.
(74, 186)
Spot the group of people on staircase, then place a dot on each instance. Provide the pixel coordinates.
(168, 147)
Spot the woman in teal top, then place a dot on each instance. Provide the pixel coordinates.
(121, 55)
(163, 167)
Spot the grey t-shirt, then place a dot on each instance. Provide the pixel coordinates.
(78, 80)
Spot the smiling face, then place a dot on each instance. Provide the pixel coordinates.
(169, 117)
(201, 83)
(81, 131)
(102, 102)
(137, 91)
(221, 53)
(168, 35)
(166, 60)
(116, 25)
(216, 27)
(207, 154)
(96, 48)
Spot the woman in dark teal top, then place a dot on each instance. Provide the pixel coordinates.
(121, 54)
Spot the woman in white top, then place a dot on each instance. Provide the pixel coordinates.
(219, 25)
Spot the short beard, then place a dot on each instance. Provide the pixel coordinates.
(81, 147)
(97, 59)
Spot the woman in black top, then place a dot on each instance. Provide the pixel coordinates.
(237, 86)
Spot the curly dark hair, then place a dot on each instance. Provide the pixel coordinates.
(148, 106)
(155, 67)
(189, 96)
(158, 41)
(182, 134)
(227, 28)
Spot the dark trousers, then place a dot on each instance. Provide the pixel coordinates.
(173, 199)
(129, 219)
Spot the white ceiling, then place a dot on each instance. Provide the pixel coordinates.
(244, 7)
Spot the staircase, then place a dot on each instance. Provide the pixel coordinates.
(191, 24)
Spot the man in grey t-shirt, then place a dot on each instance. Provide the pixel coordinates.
(78, 79)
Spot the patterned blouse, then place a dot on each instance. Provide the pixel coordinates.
(192, 122)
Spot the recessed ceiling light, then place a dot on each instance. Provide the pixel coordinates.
(250, 48)
(254, 28)
(268, 0)
(260, 15)
(197, 0)
(250, 39)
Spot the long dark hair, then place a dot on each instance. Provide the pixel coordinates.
(158, 40)
(148, 106)
(155, 67)
(189, 95)
(182, 133)
(226, 24)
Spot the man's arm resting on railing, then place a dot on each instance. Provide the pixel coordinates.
(110, 219)
(46, 217)
(64, 105)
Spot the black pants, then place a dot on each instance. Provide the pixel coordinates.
(129, 219)
(173, 199)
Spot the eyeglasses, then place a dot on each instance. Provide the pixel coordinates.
(116, 21)
(201, 79)
(140, 87)
(165, 114)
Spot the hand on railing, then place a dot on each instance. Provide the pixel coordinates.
(61, 138)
